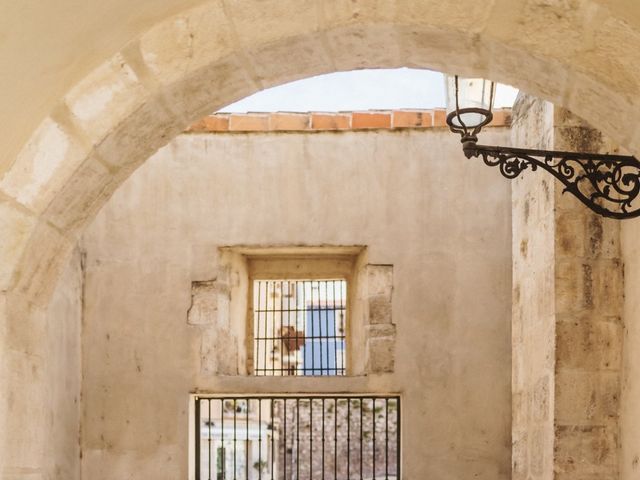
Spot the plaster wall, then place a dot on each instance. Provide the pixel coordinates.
(51, 345)
(412, 198)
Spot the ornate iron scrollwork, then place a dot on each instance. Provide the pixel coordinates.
(607, 184)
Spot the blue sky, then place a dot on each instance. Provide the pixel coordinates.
(359, 90)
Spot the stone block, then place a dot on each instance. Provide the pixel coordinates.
(208, 89)
(602, 237)
(188, 42)
(204, 302)
(45, 254)
(589, 343)
(339, 13)
(379, 310)
(570, 238)
(376, 331)
(380, 280)
(608, 286)
(289, 59)
(16, 226)
(586, 450)
(586, 398)
(81, 197)
(358, 46)
(43, 166)
(137, 137)
(272, 20)
(105, 98)
(380, 355)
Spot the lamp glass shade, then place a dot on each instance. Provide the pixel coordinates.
(471, 98)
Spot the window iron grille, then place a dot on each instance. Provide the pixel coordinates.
(297, 438)
(299, 327)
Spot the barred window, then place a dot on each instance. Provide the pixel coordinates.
(299, 327)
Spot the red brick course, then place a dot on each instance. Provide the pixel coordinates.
(318, 121)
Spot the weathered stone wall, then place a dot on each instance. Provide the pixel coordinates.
(441, 221)
(629, 402)
(48, 360)
(533, 321)
(568, 301)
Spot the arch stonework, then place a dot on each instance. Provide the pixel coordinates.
(221, 51)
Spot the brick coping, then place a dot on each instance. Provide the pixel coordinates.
(339, 121)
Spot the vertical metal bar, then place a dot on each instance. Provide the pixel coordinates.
(343, 326)
(386, 439)
(322, 438)
(235, 460)
(281, 315)
(335, 327)
(297, 438)
(198, 434)
(209, 435)
(246, 441)
(273, 437)
(348, 438)
(311, 438)
(373, 415)
(289, 320)
(224, 450)
(304, 323)
(325, 340)
(284, 461)
(274, 326)
(256, 331)
(335, 439)
(361, 437)
(398, 440)
(259, 438)
(268, 336)
(313, 340)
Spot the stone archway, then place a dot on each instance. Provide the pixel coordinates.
(190, 64)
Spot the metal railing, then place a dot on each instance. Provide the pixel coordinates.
(297, 437)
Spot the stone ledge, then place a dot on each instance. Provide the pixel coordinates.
(338, 121)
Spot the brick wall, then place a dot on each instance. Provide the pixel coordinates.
(321, 121)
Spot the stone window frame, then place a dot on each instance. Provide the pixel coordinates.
(225, 301)
(334, 266)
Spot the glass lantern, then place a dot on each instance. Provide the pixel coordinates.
(469, 105)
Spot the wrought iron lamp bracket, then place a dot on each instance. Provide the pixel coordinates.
(607, 184)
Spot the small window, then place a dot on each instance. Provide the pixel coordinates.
(299, 327)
